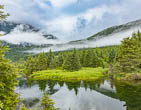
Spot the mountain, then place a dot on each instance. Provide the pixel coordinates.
(24, 34)
(107, 37)
(25, 39)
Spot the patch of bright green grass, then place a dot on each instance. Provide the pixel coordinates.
(62, 75)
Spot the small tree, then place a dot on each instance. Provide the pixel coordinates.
(72, 62)
(47, 103)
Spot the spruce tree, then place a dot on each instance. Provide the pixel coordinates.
(8, 77)
(31, 65)
(96, 61)
(130, 55)
(50, 57)
(60, 60)
(42, 61)
(82, 57)
(72, 62)
(54, 63)
(88, 58)
(47, 103)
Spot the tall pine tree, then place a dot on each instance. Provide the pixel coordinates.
(72, 62)
(42, 61)
(8, 77)
(130, 55)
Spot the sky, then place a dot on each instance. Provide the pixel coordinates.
(72, 19)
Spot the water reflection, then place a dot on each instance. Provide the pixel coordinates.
(79, 95)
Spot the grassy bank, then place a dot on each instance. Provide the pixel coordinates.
(62, 75)
(129, 76)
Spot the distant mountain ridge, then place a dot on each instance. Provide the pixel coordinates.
(116, 29)
(108, 37)
(7, 27)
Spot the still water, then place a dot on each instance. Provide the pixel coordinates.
(97, 95)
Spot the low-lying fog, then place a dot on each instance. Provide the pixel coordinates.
(113, 39)
(17, 37)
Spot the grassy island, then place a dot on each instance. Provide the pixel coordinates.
(63, 75)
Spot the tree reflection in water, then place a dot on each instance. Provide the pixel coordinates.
(129, 92)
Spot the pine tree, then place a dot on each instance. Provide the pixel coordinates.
(50, 57)
(31, 66)
(42, 61)
(88, 58)
(96, 61)
(60, 60)
(47, 103)
(54, 63)
(8, 77)
(82, 57)
(129, 57)
(72, 62)
(3, 16)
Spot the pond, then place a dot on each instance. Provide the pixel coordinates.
(102, 94)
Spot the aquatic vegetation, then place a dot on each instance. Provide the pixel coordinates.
(63, 75)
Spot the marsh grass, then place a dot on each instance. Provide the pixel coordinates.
(63, 75)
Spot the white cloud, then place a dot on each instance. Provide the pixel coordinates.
(41, 3)
(95, 12)
(63, 24)
(62, 3)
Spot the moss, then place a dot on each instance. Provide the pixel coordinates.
(86, 74)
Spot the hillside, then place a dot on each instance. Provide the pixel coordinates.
(25, 39)
(108, 37)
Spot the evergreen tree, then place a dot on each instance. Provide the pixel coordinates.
(82, 57)
(31, 65)
(3, 16)
(111, 59)
(130, 55)
(60, 60)
(96, 61)
(50, 57)
(139, 35)
(72, 62)
(47, 103)
(42, 61)
(8, 77)
(88, 58)
(54, 63)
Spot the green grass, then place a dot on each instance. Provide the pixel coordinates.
(62, 75)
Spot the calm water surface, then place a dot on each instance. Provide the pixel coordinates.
(97, 95)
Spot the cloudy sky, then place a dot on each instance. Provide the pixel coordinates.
(73, 19)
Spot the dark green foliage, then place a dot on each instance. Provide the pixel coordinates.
(8, 77)
(60, 58)
(50, 57)
(130, 54)
(88, 58)
(54, 63)
(82, 57)
(47, 103)
(112, 56)
(72, 62)
(96, 61)
(3, 16)
(31, 65)
(8, 82)
(41, 61)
